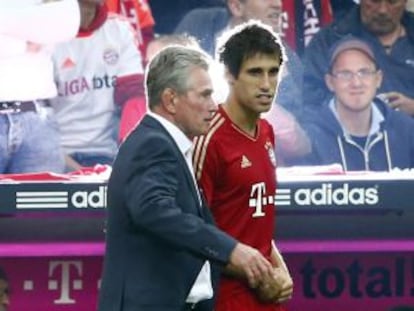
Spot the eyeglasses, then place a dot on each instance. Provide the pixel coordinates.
(346, 75)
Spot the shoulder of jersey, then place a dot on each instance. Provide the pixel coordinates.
(216, 126)
(266, 125)
(202, 142)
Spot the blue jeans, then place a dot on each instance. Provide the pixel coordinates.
(29, 142)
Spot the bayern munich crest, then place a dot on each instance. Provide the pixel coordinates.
(110, 56)
(271, 153)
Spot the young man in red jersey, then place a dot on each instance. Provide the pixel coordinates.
(235, 164)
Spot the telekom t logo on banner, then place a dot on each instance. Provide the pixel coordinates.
(56, 283)
(60, 279)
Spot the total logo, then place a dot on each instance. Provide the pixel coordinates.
(327, 194)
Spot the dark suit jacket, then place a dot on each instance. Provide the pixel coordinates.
(158, 236)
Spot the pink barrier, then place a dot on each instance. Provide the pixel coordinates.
(15, 250)
(328, 275)
(351, 281)
(53, 283)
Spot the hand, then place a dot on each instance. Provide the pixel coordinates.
(398, 101)
(290, 136)
(71, 164)
(277, 289)
(248, 262)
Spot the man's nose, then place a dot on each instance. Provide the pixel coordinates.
(212, 104)
(383, 7)
(265, 82)
(356, 79)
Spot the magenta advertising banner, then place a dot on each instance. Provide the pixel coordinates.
(53, 284)
(323, 281)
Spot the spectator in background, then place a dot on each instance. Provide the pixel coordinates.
(100, 68)
(301, 20)
(341, 7)
(208, 24)
(390, 31)
(134, 110)
(354, 128)
(138, 12)
(168, 14)
(4, 291)
(29, 140)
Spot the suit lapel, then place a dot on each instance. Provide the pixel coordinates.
(151, 122)
(191, 182)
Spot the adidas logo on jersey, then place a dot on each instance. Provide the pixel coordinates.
(245, 162)
(68, 63)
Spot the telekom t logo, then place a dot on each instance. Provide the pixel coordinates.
(259, 200)
(63, 280)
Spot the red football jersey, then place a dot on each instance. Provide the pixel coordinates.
(237, 175)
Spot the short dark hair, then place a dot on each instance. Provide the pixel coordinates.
(245, 41)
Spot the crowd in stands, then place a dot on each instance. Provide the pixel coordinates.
(70, 93)
(95, 73)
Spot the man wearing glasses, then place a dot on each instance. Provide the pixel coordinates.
(356, 128)
(389, 28)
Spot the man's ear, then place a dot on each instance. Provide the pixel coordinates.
(169, 100)
(328, 82)
(235, 8)
(379, 78)
(229, 77)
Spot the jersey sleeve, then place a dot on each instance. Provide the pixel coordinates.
(206, 165)
(130, 59)
(43, 23)
(144, 14)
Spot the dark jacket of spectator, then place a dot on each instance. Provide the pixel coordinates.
(398, 67)
(389, 145)
(167, 14)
